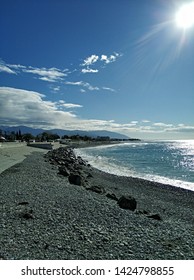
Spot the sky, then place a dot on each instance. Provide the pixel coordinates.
(117, 65)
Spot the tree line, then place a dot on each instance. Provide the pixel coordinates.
(47, 136)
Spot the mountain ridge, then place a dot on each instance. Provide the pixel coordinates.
(62, 132)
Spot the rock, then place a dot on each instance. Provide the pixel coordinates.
(141, 212)
(75, 179)
(63, 171)
(112, 196)
(127, 202)
(155, 217)
(28, 215)
(96, 189)
(23, 203)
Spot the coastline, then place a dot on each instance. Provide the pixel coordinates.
(107, 166)
(44, 216)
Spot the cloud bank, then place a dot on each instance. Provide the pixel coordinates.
(24, 107)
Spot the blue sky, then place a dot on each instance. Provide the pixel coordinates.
(119, 65)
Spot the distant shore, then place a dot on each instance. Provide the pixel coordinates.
(12, 153)
(45, 215)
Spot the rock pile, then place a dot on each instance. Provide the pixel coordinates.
(79, 172)
(69, 165)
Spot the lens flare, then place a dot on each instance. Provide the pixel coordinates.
(185, 16)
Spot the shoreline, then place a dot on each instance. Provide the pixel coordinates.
(46, 216)
(157, 179)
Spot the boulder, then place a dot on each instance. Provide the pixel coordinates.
(75, 179)
(127, 202)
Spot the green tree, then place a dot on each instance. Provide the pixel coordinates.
(27, 137)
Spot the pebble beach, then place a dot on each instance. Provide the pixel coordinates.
(56, 206)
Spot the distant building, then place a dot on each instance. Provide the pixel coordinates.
(2, 139)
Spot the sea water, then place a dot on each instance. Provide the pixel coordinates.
(168, 162)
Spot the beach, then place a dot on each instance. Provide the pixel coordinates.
(13, 153)
(56, 206)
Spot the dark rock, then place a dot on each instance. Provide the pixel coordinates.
(46, 246)
(63, 171)
(127, 202)
(155, 217)
(112, 196)
(27, 215)
(96, 189)
(75, 179)
(23, 203)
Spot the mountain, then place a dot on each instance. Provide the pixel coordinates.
(61, 132)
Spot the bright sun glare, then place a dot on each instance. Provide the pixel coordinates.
(185, 16)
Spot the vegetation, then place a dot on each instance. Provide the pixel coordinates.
(49, 136)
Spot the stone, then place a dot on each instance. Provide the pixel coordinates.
(75, 179)
(63, 171)
(28, 215)
(96, 189)
(155, 217)
(127, 202)
(112, 196)
(23, 203)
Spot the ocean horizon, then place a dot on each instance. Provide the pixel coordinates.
(165, 161)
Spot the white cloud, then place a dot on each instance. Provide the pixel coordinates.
(4, 68)
(18, 106)
(83, 84)
(23, 107)
(109, 89)
(45, 74)
(89, 70)
(56, 88)
(162, 124)
(74, 83)
(49, 75)
(62, 103)
(95, 58)
(134, 122)
(71, 105)
(90, 60)
(16, 66)
(109, 59)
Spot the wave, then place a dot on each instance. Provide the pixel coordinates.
(110, 165)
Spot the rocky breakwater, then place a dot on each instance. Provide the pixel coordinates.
(69, 165)
(79, 172)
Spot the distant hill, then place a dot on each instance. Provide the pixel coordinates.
(61, 132)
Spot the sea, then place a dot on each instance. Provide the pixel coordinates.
(167, 162)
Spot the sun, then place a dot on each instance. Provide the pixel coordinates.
(185, 16)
